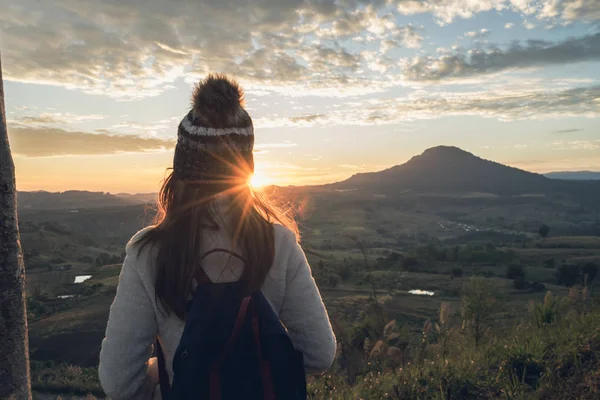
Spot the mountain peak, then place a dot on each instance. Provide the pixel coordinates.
(446, 151)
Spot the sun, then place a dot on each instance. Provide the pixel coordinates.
(258, 180)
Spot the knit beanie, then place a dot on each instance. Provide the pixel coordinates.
(215, 140)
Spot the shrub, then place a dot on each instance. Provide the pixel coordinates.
(537, 287)
(345, 272)
(547, 312)
(515, 270)
(519, 283)
(456, 272)
(544, 231)
(567, 275)
(332, 281)
(411, 264)
(589, 272)
(479, 300)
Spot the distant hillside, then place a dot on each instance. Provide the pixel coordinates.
(439, 170)
(450, 170)
(75, 199)
(575, 175)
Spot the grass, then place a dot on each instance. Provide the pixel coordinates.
(529, 360)
(400, 224)
(560, 360)
(573, 242)
(65, 379)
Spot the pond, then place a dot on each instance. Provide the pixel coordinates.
(421, 292)
(82, 278)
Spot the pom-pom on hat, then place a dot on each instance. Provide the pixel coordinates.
(215, 140)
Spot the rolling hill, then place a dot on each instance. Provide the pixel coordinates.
(440, 170)
(574, 175)
(75, 199)
(452, 170)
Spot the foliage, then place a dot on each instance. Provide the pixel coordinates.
(567, 275)
(106, 259)
(544, 231)
(515, 270)
(480, 298)
(547, 312)
(519, 282)
(549, 263)
(345, 272)
(411, 264)
(456, 272)
(556, 360)
(49, 377)
(589, 272)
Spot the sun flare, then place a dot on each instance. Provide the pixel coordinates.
(258, 180)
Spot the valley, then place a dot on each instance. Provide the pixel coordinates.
(405, 241)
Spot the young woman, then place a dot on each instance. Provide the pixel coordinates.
(206, 203)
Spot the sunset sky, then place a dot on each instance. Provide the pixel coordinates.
(95, 89)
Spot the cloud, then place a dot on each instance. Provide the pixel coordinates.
(570, 10)
(479, 61)
(263, 146)
(49, 142)
(509, 25)
(133, 49)
(446, 11)
(573, 130)
(483, 33)
(307, 118)
(54, 118)
(576, 145)
(502, 105)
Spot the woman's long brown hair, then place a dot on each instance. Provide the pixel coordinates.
(185, 212)
(187, 209)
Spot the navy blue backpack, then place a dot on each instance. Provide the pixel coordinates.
(233, 346)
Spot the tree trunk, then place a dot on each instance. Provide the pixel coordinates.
(14, 344)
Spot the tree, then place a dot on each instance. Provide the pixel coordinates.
(456, 272)
(589, 272)
(544, 231)
(519, 282)
(479, 300)
(14, 344)
(568, 275)
(345, 271)
(515, 270)
(410, 264)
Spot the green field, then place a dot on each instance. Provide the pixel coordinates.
(362, 249)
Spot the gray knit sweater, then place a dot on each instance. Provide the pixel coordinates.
(127, 370)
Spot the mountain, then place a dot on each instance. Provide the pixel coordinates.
(74, 199)
(452, 170)
(574, 175)
(439, 170)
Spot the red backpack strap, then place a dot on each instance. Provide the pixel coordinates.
(200, 276)
(215, 383)
(265, 368)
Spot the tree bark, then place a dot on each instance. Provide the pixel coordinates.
(14, 344)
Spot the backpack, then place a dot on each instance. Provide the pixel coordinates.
(236, 350)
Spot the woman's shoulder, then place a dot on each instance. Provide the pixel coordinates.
(287, 248)
(284, 236)
(138, 256)
(134, 243)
